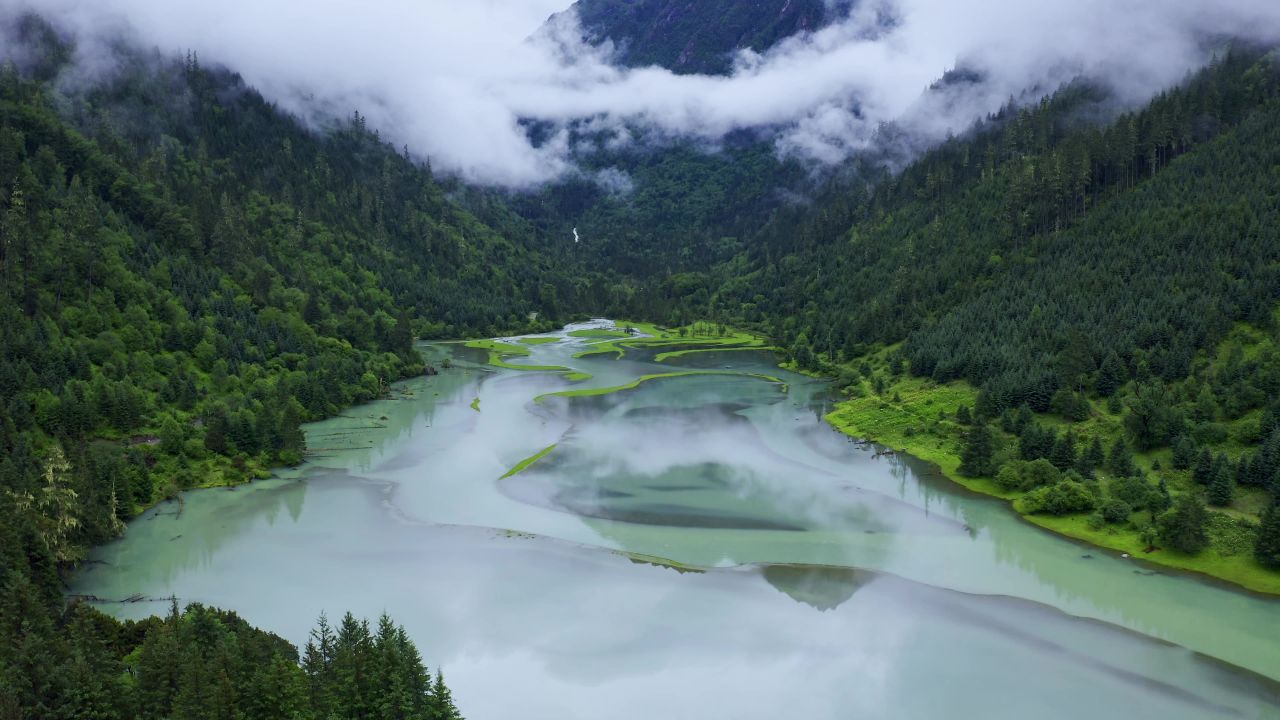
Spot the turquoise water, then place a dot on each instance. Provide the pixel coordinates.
(700, 546)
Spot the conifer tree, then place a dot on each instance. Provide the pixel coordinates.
(979, 451)
(1111, 375)
(1223, 485)
(1184, 452)
(1063, 455)
(442, 706)
(1091, 459)
(317, 666)
(1120, 459)
(1184, 527)
(1267, 548)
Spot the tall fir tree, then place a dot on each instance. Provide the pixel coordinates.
(1267, 548)
(1184, 528)
(1222, 487)
(977, 458)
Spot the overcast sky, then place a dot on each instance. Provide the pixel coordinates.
(451, 78)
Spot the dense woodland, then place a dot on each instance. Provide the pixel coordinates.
(684, 208)
(1107, 289)
(187, 274)
(690, 37)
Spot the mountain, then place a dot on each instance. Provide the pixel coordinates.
(1073, 310)
(1097, 298)
(187, 275)
(698, 37)
(685, 207)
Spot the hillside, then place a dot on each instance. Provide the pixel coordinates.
(691, 37)
(1075, 315)
(187, 276)
(1108, 286)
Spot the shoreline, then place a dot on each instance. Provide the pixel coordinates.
(1052, 524)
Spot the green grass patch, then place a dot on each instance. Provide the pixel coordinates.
(696, 336)
(664, 356)
(538, 340)
(599, 333)
(499, 351)
(475, 404)
(602, 349)
(498, 346)
(591, 392)
(525, 463)
(911, 423)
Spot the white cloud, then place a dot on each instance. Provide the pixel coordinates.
(452, 78)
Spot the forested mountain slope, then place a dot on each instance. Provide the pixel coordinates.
(684, 208)
(699, 37)
(650, 206)
(1161, 212)
(186, 275)
(1083, 285)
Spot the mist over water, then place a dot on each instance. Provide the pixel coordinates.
(700, 546)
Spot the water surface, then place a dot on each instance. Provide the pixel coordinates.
(700, 546)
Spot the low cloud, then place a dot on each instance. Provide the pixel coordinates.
(458, 81)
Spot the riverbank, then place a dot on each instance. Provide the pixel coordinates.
(918, 417)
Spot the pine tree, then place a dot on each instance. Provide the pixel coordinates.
(172, 436)
(1183, 527)
(1202, 471)
(293, 442)
(1163, 500)
(1267, 548)
(1120, 460)
(401, 341)
(97, 688)
(215, 431)
(279, 693)
(1075, 361)
(1063, 455)
(351, 668)
(1111, 375)
(979, 451)
(159, 664)
(1091, 459)
(442, 707)
(1223, 485)
(392, 694)
(317, 666)
(1184, 452)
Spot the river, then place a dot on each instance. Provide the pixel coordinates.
(701, 546)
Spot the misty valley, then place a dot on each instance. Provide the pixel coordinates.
(631, 359)
(697, 544)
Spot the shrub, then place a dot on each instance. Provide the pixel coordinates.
(1210, 433)
(1027, 475)
(1132, 491)
(1116, 511)
(1064, 498)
